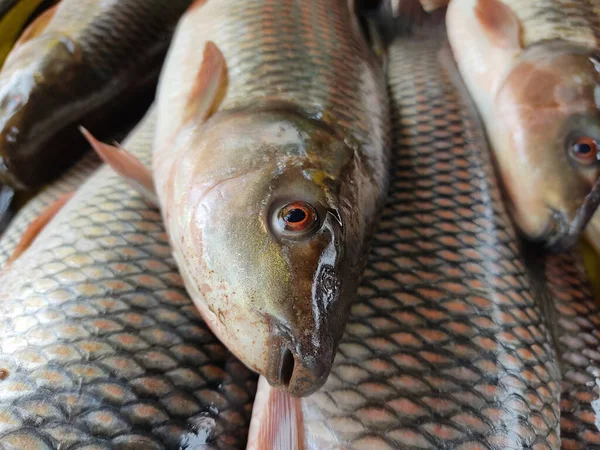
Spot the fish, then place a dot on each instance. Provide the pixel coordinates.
(91, 60)
(14, 15)
(447, 346)
(532, 68)
(30, 210)
(270, 168)
(101, 346)
(575, 316)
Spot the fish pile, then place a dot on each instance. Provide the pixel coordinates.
(332, 224)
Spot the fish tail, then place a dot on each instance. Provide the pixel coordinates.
(277, 421)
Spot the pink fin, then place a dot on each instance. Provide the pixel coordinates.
(277, 421)
(209, 83)
(36, 227)
(125, 164)
(36, 27)
(499, 22)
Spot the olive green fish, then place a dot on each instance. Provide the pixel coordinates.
(270, 203)
(101, 347)
(72, 62)
(446, 347)
(533, 70)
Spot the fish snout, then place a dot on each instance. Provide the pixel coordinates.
(297, 368)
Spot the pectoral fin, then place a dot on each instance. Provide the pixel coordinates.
(125, 164)
(36, 227)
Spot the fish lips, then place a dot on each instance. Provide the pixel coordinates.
(565, 233)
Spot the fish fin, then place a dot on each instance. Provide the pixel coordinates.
(125, 164)
(499, 22)
(36, 27)
(209, 85)
(197, 4)
(36, 227)
(12, 22)
(277, 420)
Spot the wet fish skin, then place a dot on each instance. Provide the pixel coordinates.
(101, 347)
(533, 75)
(446, 347)
(91, 54)
(577, 323)
(303, 117)
(68, 182)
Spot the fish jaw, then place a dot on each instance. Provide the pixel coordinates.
(279, 302)
(545, 105)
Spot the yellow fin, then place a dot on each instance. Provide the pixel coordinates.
(499, 22)
(208, 86)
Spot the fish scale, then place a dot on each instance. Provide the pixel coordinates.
(68, 182)
(446, 347)
(572, 21)
(101, 346)
(577, 320)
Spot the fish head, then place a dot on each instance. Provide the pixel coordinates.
(547, 133)
(269, 241)
(36, 76)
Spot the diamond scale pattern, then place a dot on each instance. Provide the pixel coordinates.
(101, 346)
(446, 347)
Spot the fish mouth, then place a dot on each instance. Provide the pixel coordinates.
(564, 233)
(299, 375)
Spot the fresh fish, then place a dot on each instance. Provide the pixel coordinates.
(101, 347)
(68, 182)
(83, 56)
(269, 205)
(532, 68)
(14, 15)
(576, 318)
(446, 348)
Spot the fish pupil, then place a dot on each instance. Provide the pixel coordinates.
(583, 149)
(295, 215)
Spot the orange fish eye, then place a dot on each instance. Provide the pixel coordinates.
(298, 217)
(585, 149)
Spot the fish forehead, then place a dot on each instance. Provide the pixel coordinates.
(446, 325)
(100, 341)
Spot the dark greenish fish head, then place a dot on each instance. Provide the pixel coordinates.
(33, 90)
(272, 243)
(549, 126)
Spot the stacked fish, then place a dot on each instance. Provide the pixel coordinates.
(309, 198)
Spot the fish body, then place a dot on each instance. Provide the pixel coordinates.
(446, 347)
(532, 69)
(80, 57)
(68, 182)
(576, 321)
(101, 347)
(270, 203)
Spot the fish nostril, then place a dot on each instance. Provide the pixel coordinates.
(287, 367)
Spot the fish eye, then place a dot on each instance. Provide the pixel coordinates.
(585, 149)
(296, 220)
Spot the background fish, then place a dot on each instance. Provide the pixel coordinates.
(90, 54)
(30, 210)
(532, 69)
(270, 205)
(447, 347)
(101, 347)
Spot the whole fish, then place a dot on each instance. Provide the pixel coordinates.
(28, 213)
(101, 347)
(270, 203)
(532, 67)
(446, 348)
(80, 57)
(576, 317)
